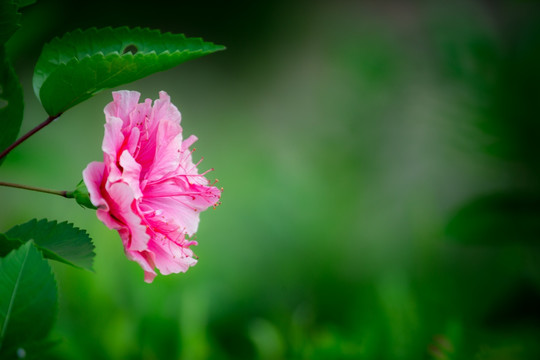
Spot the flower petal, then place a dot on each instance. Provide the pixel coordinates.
(124, 208)
(93, 178)
(131, 172)
(171, 257)
(113, 139)
(146, 260)
(124, 102)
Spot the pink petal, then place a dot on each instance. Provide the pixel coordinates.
(124, 103)
(131, 173)
(146, 260)
(125, 209)
(113, 139)
(163, 109)
(186, 217)
(93, 178)
(170, 257)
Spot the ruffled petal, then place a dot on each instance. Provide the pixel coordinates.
(186, 217)
(131, 172)
(124, 208)
(93, 179)
(146, 260)
(170, 257)
(113, 139)
(124, 102)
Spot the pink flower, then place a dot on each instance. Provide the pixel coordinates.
(147, 186)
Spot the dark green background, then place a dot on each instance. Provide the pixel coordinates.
(382, 183)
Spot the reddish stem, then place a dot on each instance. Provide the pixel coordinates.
(63, 193)
(49, 120)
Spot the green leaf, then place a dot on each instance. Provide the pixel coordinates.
(496, 219)
(28, 299)
(11, 103)
(7, 245)
(58, 241)
(82, 63)
(10, 19)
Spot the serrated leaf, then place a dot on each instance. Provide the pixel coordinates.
(59, 241)
(82, 63)
(28, 299)
(496, 219)
(7, 245)
(11, 103)
(10, 19)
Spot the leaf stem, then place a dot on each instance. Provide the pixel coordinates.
(49, 120)
(63, 193)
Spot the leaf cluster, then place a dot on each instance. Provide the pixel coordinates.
(28, 296)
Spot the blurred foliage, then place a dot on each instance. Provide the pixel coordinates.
(381, 175)
(11, 102)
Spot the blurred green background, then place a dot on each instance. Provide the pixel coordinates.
(381, 169)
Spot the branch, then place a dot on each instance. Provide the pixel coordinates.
(49, 120)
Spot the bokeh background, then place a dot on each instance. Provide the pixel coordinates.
(381, 169)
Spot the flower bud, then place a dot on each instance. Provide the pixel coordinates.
(81, 196)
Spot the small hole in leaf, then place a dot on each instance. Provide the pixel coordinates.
(130, 48)
(3, 103)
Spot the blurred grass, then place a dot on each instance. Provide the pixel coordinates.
(347, 135)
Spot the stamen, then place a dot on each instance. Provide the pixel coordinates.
(187, 154)
(186, 175)
(146, 128)
(189, 243)
(171, 194)
(207, 171)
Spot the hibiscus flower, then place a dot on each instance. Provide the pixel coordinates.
(147, 187)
